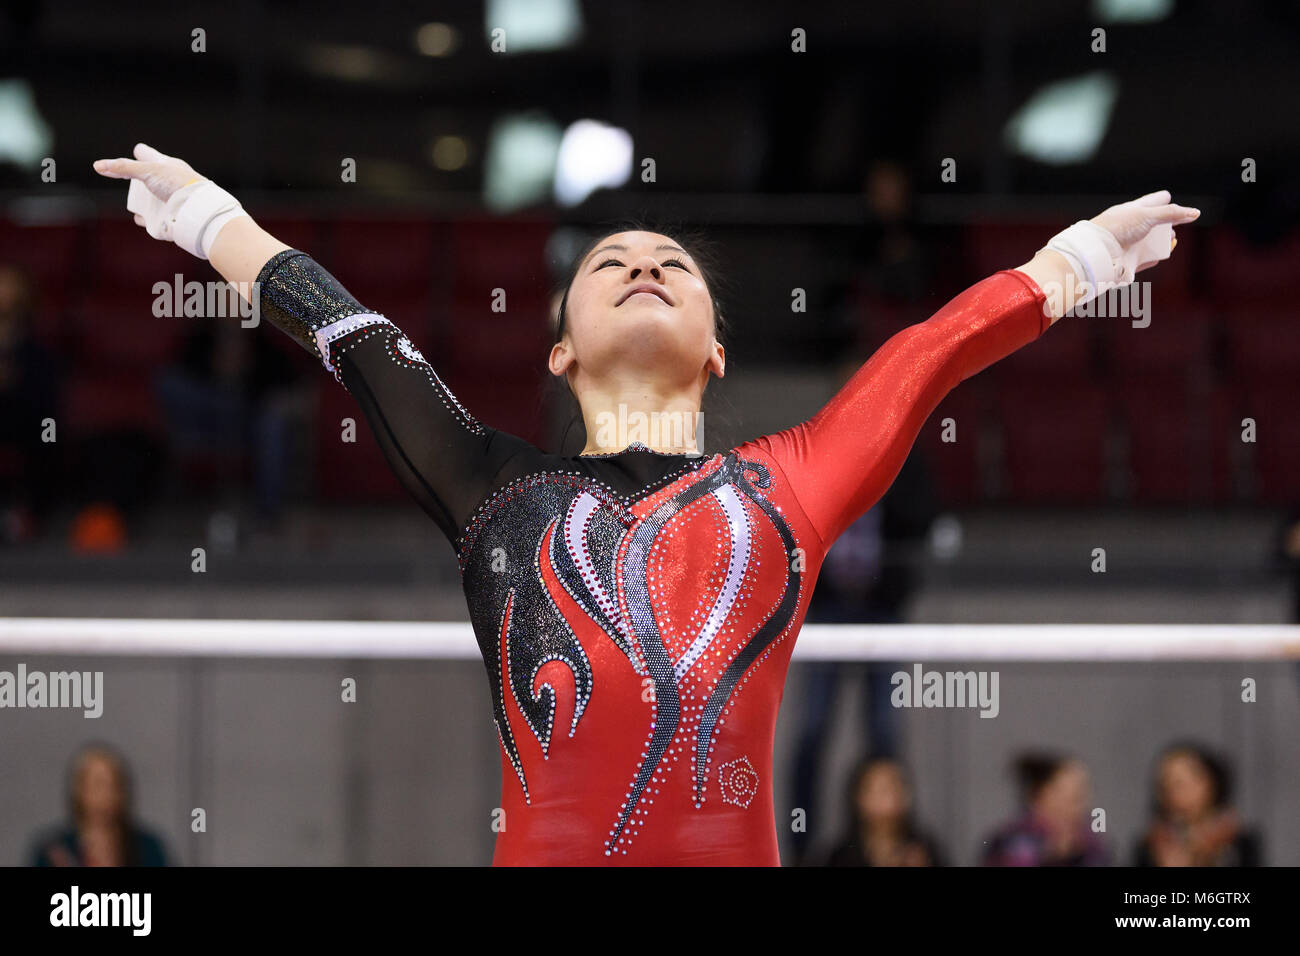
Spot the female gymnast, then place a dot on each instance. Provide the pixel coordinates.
(636, 604)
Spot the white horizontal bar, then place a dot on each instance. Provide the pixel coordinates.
(454, 640)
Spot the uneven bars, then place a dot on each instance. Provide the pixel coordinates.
(453, 640)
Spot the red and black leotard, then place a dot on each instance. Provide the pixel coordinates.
(636, 611)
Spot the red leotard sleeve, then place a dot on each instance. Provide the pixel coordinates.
(843, 459)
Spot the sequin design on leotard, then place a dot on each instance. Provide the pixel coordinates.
(597, 552)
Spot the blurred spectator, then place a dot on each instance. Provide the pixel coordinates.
(228, 395)
(1193, 823)
(897, 265)
(869, 573)
(887, 265)
(101, 830)
(1054, 828)
(28, 395)
(867, 577)
(1287, 553)
(881, 830)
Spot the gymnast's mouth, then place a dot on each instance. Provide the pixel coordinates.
(652, 289)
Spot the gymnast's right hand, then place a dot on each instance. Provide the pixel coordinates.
(171, 200)
(1151, 217)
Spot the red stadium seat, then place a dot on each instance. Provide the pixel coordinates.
(11, 461)
(1054, 440)
(992, 246)
(1240, 270)
(1162, 429)
(494, 253)
(1177, 338)
(49, 256)
(1273, 404)
(123, 256)
(377, 252)
(956, 463)
(1227, 452)
(116, 329)
(1262, 338)
(96, 400)
(519, 336)
(49, 253)
(1065, 349)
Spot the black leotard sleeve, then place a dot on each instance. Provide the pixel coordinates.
(443, 456)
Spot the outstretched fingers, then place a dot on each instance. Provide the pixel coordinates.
(120, 168)
(1174, 213)
(1161, 207)
(146, 152)
(1158, 198)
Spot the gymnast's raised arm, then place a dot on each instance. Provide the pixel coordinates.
(443, 456)
(844, 458)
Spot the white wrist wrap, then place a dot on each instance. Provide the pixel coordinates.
(1094, 254)
(1098, 259)
(191, 218)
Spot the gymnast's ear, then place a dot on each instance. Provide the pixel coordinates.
(717, 362)
(561, 358)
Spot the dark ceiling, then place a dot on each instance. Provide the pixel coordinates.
(710, 90)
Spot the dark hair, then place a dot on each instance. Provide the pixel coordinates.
(1213, 765)
(696, 244)
(859, 774)
(1034, 771)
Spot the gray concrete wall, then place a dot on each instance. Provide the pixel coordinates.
(410, 773)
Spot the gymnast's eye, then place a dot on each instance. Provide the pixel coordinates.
(669, 262)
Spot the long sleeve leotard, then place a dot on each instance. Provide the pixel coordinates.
(636, 611)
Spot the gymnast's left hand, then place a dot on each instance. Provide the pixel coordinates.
(161, 174)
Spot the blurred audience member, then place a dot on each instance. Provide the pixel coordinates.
(1193, 823)
(897, 264)
(28, 396)
(867, 577)
(1286, 551)
(886, 266)
(1054, 828)
(881, 829)
(229, 394)
(101, 830)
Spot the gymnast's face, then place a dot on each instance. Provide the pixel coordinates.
(638, 305)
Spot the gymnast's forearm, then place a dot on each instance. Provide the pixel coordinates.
(242, 248)
(1049, 270)
(287, 287)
